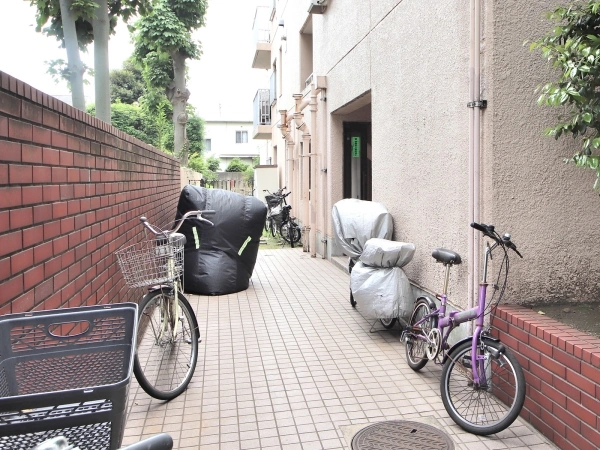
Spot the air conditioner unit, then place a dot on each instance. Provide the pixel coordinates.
(317, 6)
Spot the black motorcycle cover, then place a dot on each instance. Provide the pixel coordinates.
(220, 259)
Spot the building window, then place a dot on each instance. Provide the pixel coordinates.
(207, 145)
(241, 137)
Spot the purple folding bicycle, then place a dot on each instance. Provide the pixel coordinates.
(482, 383)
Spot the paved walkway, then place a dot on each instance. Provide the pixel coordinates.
(289, 364)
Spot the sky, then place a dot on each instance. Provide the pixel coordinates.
(222, 83)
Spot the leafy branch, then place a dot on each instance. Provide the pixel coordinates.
(573, 48)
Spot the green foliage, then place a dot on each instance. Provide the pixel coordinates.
(197, 162)
(236, 165)
(166, 30)
(127, 84)
(84, 10)
(214, 164)
(132, 120)
(573, 48)
(58, 69)
(195, 132)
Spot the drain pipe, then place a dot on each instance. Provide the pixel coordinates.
(289, 140)
(313, 172)
(475, 106)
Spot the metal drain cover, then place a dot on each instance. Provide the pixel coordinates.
(400, 435)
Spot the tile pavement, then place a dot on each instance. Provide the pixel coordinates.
(289, 364)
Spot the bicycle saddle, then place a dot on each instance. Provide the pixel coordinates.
(446, 256)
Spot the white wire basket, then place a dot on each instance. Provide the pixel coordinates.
(147, 263)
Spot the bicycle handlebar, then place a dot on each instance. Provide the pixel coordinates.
(489, 231)
(198, 215)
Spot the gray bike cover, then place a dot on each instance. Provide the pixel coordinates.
(356, 221)
(220, 259)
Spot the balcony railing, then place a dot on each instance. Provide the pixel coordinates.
(262, 25)
(262, 108)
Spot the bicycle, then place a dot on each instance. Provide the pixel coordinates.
(274, 203)
(289, 229)
(168, 333)
(483, 397)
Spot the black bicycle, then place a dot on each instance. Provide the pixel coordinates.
(289, 229)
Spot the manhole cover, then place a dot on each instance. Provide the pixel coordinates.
(399, 435)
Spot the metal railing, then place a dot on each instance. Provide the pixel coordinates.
(262, 108)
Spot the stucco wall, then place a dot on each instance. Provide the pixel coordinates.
(548, 206)
(410, 61)
(418, 82)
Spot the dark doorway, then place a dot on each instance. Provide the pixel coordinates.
(357, 160)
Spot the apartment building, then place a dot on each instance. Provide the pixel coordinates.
(429, 108)
(228, 139)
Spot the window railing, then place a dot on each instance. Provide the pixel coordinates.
(308, 81)
(262, 108)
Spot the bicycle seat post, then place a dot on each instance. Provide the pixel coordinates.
(446, 279)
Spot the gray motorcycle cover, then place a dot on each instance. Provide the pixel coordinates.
(220, 259)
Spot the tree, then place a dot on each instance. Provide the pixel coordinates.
(573, 47)
(163, 42)
(71, 38)
(236, 165)
(87, 16)
(127, 84)
(214, 163)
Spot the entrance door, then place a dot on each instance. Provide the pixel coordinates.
(357, 160)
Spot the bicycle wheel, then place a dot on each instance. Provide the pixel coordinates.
(268, 224)
(165, 361)
(416, 355)
(388, 323)
(274, 228)
(493, 405)
(296, 233)
(285, 233)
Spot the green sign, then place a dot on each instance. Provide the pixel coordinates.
(355, 146)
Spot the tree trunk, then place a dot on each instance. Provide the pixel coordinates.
(100, 23)
(179, 95)
(74, 64)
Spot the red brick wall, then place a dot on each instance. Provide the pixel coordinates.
(71, 191)
(562, 371)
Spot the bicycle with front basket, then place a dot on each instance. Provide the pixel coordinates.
(168, 333)
(482, 384)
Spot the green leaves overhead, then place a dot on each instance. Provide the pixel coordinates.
(167, 29)
(573, 48)
(49, 10)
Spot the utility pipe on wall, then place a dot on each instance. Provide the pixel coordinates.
(474, 148)
(313, 173)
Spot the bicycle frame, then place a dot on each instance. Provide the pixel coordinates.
(447, 323)
(171, 316)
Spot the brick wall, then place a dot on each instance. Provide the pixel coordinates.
(71, 191)
(562, 371)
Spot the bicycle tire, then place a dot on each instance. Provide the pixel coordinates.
(274, 228)
(268, 224)
(291, 233)
(388, 324)
(416, 355)
(483, 410)
(158, 366)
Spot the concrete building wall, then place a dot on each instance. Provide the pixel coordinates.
(405, 67)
